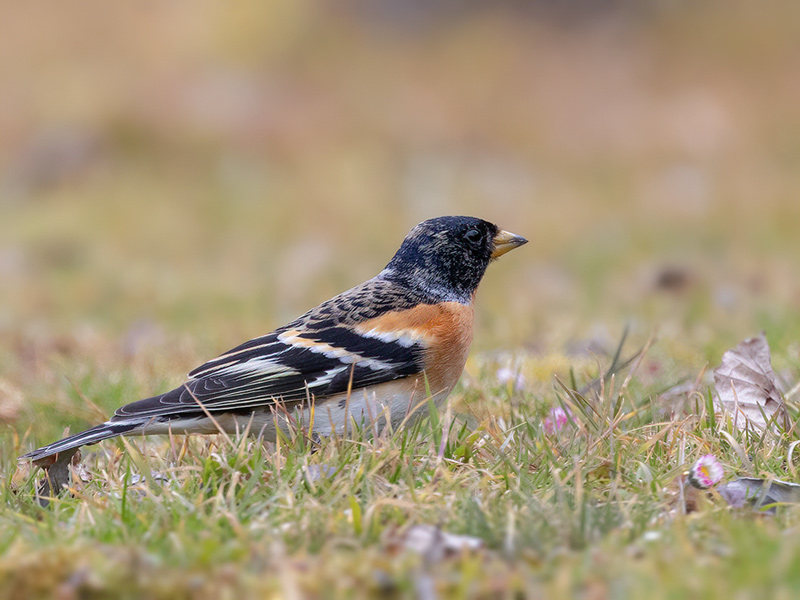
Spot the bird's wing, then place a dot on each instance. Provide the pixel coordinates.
(325, 352)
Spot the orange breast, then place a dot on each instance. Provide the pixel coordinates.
(445, 329)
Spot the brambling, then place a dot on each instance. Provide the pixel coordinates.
(371, 354)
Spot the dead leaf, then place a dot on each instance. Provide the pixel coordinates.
(747, 389)
(21, 475)
(56, 474)
(753, 491)
(434, 544)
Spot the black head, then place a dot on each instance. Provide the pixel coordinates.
(445, 258)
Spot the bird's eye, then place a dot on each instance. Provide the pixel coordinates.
(473, 236)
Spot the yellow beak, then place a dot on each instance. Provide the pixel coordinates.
(505, 241)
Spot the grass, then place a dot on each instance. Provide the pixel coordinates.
(592, 510)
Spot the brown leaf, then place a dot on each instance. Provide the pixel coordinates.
(21, 474)
(56, 474)
(747, 389)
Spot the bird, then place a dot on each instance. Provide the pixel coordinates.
(373, 353)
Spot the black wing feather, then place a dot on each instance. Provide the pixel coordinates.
(231, 385)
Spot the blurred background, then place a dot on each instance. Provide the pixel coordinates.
(176, 177)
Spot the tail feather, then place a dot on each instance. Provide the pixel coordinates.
(90, 436)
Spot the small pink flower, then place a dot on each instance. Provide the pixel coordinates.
(556, 420)
(706, 472)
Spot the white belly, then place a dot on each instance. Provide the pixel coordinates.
(338, 414)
